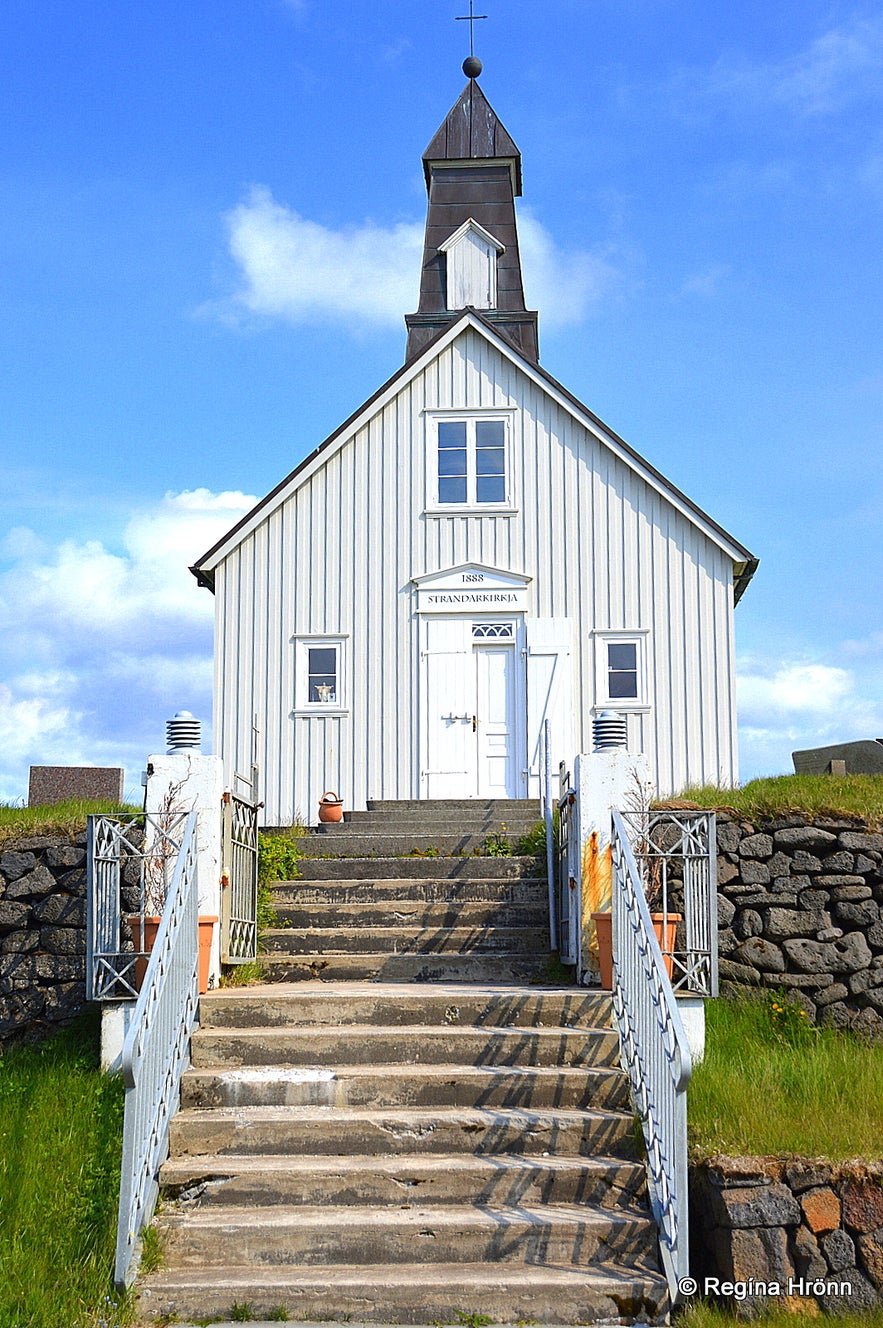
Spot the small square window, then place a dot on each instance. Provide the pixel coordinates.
(621, 670)
(318, 674)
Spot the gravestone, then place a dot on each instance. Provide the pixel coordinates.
(50, 784)
(859, 758)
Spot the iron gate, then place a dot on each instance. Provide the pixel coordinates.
(239, 880)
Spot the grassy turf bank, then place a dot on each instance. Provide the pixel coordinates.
(797, 795)
(63, 818)
(60, 1140)
(772, 1084)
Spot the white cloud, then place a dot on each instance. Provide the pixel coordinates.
(303, 272)
(840, 66)
(787, 706)
(99, 645)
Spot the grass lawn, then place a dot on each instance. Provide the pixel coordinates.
(799, 795)
(772, 1084)
(60, 1140)
(64, 818)
(699, 1314)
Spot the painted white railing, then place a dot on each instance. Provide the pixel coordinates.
(130, 858)
(676, 851)
(156, 1052)
(654, 1052)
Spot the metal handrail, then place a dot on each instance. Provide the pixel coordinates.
(156, 1053)
(654, 1052)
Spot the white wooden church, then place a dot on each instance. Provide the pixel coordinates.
(472, 552)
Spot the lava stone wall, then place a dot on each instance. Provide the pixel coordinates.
(813, 1229)
(800, 908)
(42, 935)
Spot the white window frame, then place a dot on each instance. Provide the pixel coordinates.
(302, 646)
(603, 699)
(471, 505)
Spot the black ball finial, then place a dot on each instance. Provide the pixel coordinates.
(472, 66)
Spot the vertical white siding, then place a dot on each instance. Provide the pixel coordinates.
(337, 556)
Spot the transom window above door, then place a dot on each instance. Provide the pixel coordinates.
(469, 464)
(503, 631)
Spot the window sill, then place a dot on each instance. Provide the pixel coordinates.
(315, 712)
(489, 509)
(625, 707)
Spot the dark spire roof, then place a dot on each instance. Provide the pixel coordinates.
(473, 173)
(472, 132)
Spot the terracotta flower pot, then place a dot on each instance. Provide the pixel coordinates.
(665, 927)
(206, 926)
(330, 808)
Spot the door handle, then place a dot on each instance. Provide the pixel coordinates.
(474, 723)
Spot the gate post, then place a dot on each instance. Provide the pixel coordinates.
(188, 781)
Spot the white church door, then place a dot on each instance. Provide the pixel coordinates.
(496, 721)
(472, 689)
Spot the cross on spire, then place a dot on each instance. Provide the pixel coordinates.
(471, 18)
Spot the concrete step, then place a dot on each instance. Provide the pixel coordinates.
(511, 827)
(379, 868)
(390, 1004)
(389, 843)
(304, 1235)
(351, 1131)
(343, 890)
(499, 807)
(502, 968)
(385, 1086)
(435, 1179)
(413, 914)
(417, 1293)
(375, 1044)
(402, 940)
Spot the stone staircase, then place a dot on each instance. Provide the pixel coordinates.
(407, 1123)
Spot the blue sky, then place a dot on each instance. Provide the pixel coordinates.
(209, 233)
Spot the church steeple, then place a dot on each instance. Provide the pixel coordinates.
(470, 254)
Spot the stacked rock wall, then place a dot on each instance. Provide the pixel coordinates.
(42, 935)
(800, 908)
(803, 1231)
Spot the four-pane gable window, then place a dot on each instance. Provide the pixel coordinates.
(471, 463)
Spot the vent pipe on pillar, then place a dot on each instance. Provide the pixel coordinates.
(183, 733)
(609, 731)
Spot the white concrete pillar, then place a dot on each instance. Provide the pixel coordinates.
(604, 781)
(187, 781)
(116, 1017)
(692, 1012)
